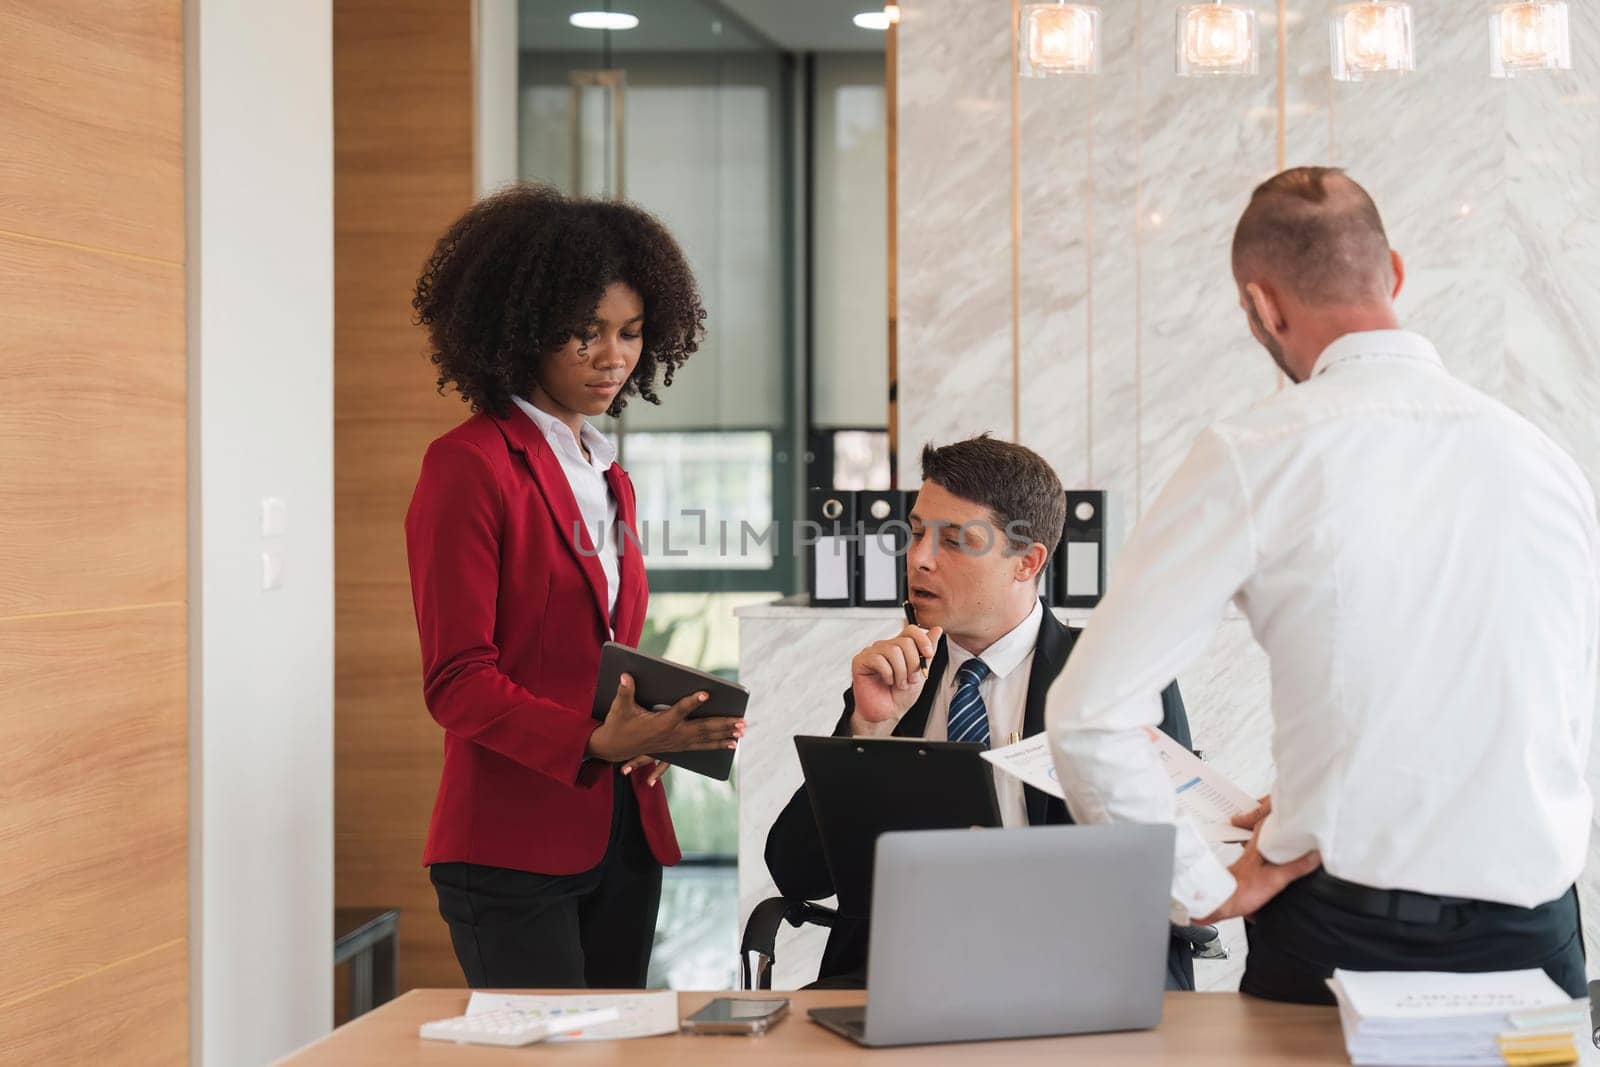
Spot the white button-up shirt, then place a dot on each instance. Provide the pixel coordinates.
(587, 477)
(1005, 697)
(1420, 565)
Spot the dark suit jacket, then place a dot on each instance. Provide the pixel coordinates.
(511, 613)
(794, 847)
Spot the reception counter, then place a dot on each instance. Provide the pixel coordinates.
(795, 660)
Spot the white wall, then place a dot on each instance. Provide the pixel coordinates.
(260, 191)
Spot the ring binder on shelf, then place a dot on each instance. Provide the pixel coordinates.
(1081, 562)
(830, 556)
(881, 547)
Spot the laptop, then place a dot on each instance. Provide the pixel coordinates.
(992, 934)
(863, 787)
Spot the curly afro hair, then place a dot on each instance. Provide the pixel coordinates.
(523, 272)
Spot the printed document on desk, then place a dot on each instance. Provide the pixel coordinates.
(1208, 798)
(1515, 1018)
(642, 1014)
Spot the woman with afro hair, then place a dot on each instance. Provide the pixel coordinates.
(549, 831)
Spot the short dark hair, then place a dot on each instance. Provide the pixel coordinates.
(1317, 232)
(1013, 482)
(523, 271)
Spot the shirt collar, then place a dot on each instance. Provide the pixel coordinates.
(1006, 654)
(556, 432)
(1377, 344)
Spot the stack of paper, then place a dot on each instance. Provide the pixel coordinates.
(1401, 1019)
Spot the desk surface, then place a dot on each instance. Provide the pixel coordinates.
(1197, 1030)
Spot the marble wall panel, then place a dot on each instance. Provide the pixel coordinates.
(1430, 148)
(1308, 86)
(1055, 236)
(1114, 349)
(1550, 255)
(1204, 144)
(956, 373)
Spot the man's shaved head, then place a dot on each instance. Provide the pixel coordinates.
(1317, 234)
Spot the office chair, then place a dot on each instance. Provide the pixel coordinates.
(761, 937)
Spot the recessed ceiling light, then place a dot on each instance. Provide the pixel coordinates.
(604, 20)
(872, 20)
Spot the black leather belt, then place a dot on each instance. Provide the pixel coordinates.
(1401, 905)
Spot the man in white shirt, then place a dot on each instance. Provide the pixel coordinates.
(1420, 565)
(986, 520)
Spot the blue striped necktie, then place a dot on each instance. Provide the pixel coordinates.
(969, 719)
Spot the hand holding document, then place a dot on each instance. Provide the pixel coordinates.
(638, 1014)
(1205, 796)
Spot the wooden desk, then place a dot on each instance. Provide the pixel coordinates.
(1197, 1030)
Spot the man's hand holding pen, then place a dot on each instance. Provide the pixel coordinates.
(886, 678)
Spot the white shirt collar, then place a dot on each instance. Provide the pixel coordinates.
(1377, 344)
(1006, 654)
(560, 436)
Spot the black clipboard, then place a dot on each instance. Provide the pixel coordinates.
(862, 787)
(659, 683)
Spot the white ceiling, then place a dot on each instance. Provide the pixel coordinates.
(811, 25)
(703, 25)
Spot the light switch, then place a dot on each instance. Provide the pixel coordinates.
(271, 572)
(274, 517)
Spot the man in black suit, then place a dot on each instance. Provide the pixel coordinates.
(986, 521)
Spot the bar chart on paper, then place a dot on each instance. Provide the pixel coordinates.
(1205, 796)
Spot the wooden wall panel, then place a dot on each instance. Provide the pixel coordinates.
(403, 172)
(92, 809)
(133, 1014)
(93, 529)
(92, 396)
(93, 123)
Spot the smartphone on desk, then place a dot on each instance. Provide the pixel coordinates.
(737, 1015)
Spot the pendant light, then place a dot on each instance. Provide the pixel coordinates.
(1217, 39)
(1055, 39)
(1529, 37)
(1372, 39)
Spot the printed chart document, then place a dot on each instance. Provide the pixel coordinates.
(640, 1014)
(1205, 796)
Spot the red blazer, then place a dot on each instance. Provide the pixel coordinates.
(511, 616)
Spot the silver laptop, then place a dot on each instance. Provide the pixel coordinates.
(979, 935)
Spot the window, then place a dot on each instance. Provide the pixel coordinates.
(705, 499)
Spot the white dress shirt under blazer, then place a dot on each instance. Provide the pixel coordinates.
(1420, 565)
(1005, 698)
(587, 477)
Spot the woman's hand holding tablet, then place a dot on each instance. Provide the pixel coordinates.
(629, 730)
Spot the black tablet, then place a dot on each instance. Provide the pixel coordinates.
(660, 683)
(863, 787)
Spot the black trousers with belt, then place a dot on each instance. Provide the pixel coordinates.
(1314, 926)
(520, 930)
